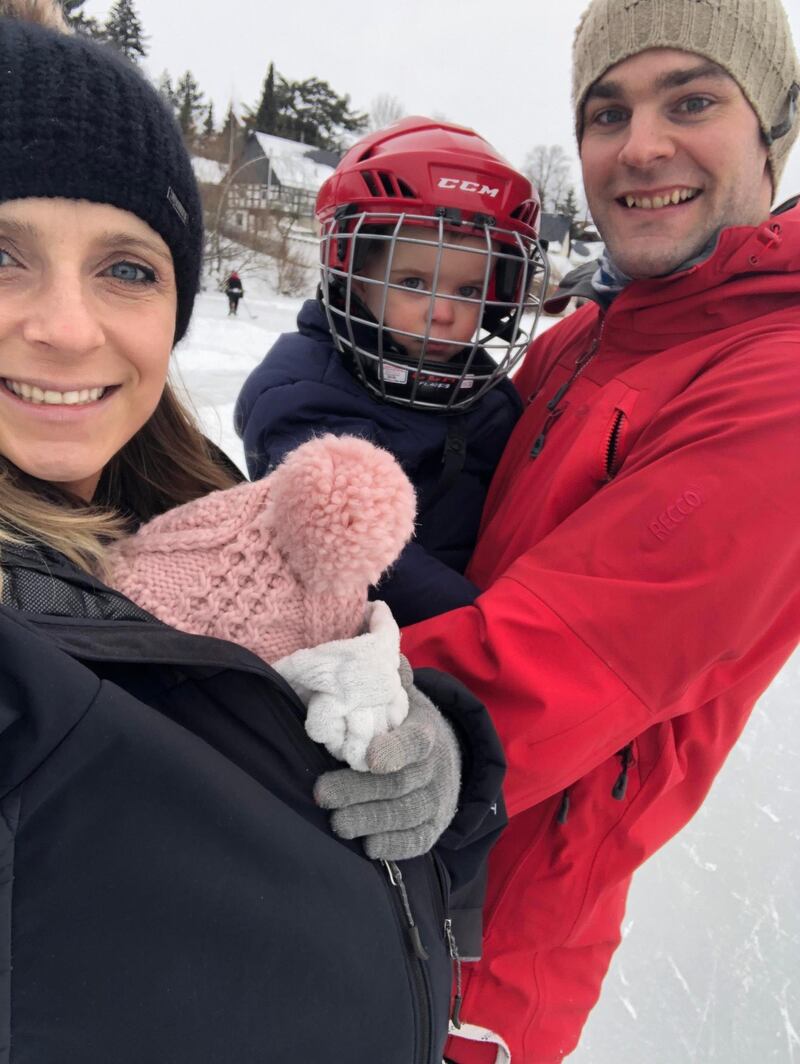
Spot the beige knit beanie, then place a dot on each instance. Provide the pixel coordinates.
(750, 39)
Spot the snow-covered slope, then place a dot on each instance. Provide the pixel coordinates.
(218, 352)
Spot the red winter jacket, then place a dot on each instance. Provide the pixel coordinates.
(642, 588)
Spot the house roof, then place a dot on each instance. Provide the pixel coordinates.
(294, 164)
(208, 171)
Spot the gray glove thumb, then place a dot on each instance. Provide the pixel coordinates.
(409, 796)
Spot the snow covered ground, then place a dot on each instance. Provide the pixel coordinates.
(218, 352)
(708, 970)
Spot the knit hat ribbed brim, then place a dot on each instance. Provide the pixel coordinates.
(78, 120)
(750, 39)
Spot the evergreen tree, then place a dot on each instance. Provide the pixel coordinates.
(266, 117)
(308, 111)
(230, 138)
(231, 126)
(123, 29)
(314, 114)
(80, 22)
(164, 86)
(208, 124)
(189, 100)
(568, 206)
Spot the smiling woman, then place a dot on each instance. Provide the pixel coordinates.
(170, 889)
(99, 264)
(87, 316)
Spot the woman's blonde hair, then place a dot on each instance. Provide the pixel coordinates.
(41, 12)
(167, 462)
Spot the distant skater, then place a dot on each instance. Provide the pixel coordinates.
(234, 291)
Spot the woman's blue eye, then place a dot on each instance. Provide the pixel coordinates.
(132, 272)
(6, 259)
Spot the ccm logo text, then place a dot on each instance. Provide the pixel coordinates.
(467, 186)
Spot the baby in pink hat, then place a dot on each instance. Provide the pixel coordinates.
(282, 565)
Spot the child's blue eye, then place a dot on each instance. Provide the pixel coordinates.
(131, 272)
(414, 283)
(470, 291)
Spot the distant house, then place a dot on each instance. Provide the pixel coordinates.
(555, 229)
(273, 171)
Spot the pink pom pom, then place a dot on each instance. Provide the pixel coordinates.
(341, 509)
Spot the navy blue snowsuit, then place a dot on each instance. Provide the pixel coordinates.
(304, 387)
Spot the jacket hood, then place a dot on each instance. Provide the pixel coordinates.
(312, 321)
(752, 271)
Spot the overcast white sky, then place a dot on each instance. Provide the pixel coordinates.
(500, 66)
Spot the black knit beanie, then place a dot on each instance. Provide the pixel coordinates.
(78, 120)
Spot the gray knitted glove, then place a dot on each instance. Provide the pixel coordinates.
(409, 796)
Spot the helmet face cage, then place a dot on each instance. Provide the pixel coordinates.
(507, 306)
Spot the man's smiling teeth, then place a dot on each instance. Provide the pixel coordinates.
(31, 394)
(667, 199)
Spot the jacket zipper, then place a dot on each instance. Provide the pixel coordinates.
(416, 957)
(455, 1014)
(627, 761)
(441, 890)
(612, 443)
(554, 408)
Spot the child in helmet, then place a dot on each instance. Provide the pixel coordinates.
(429, 252)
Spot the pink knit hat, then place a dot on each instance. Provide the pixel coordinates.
(279, 564)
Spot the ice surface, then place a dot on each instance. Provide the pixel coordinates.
(709, 968)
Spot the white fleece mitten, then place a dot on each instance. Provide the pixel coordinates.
(351, 688)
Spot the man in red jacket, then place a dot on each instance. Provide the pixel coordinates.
(640, 546)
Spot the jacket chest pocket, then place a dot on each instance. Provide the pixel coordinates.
(605, 438)
(585, 448)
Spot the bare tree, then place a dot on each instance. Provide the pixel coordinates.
(291, 261)
(384, 110)
(548, 167)
(263, 242)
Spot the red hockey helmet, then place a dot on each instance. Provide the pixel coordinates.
(451, 184)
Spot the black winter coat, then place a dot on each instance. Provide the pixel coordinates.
(169, 892)
(303, 388)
